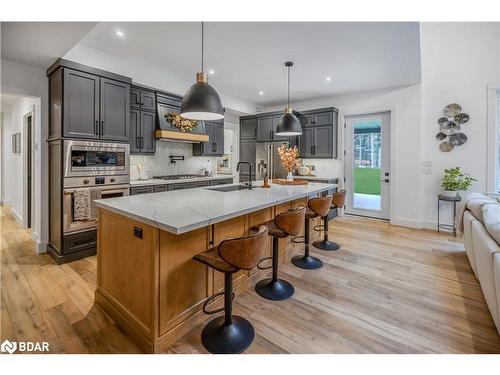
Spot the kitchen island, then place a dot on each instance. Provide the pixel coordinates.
(146, 278)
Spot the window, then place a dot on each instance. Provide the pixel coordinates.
(493, 140)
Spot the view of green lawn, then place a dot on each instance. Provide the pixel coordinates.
(367, 180)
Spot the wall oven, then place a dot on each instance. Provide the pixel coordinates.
(83, 191)
(85, 158)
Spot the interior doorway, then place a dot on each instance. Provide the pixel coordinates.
(368, 165)
(28, 120)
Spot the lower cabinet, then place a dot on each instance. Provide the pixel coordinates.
(141, 190)
(134, 190)
(221, 182)
(187, 185)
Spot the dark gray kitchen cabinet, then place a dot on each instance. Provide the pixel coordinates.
(225, 181)
(160, 188)
(142, 127)
(265, 129)
(142, 99)
(81, 105)
(307, 143)
(215, 144)
(247, 153)
(135, 190)
(135, 131)
(187, 185)
(248, 128)
(114, 110)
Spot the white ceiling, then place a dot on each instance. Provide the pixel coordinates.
(40, 43)
(248, 57)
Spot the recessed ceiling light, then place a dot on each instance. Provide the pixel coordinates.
(119, 33)
(211, 71)
(261, 93)
(328, 79)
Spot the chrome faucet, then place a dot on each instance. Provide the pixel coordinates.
(249, 183)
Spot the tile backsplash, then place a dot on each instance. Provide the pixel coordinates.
(159, 164)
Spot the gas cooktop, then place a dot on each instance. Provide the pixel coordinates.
(180, 176)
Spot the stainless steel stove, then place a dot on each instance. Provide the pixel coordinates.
(180, 176)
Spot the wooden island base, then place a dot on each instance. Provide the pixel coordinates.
(148, 283)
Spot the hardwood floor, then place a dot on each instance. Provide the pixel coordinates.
(388, 290)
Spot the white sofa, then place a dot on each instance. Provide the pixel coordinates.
(481, 230)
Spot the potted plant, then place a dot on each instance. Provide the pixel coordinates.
(454, 181)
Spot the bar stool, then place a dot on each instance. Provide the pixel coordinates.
(285, 224)
(338, 201)
(231, 334)
(315, 207)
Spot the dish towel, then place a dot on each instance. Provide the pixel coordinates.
(81, 205)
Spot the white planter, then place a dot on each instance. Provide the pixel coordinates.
(450, 193)
(289, 176)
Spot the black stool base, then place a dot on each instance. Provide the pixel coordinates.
(234, 338)
(275, 291)
(326, 245)
(307, 262)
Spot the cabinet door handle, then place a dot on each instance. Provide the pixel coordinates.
(102, 128)
(137, 142)
(96, 126)
(255, 132)
(314, 150)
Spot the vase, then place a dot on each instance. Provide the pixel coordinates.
(289, 176)
(450, 193)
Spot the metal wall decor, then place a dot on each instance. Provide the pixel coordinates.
(450, 126)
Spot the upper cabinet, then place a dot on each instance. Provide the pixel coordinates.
(267, 127)
(319, 134)
(142, 99)
(114, 110)
(88, 103)
(142, 120)
(215, 144)
(248, 128)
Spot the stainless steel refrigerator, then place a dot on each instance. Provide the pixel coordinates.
(267, 160)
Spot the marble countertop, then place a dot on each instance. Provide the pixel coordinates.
(182, 211)
(316, 178)
(158, 181)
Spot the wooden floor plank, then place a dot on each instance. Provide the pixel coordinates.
(388, 290)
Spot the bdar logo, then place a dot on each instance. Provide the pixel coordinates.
(8, 347)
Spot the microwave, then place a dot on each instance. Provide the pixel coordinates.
(85, 158)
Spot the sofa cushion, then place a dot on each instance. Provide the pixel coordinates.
(475, 203)
(468, 244)
(496, 270)
(484, 250)
(491, 220)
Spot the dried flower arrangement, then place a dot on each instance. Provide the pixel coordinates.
(181, 123)
(289, 157)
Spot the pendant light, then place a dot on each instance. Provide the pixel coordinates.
(289, 124)
(201, 101)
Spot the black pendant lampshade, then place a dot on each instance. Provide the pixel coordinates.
(201, 101)
(289, 124)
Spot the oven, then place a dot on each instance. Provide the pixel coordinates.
(89, 189)
(85, 158)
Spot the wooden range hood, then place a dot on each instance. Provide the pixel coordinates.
(172, 135)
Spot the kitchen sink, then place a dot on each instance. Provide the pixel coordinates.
(229, 188)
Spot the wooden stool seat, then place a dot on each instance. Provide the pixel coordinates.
(212, 259)
(310, 214)
(230, 334)
(272, 229)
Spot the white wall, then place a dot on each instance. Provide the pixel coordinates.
(404, 103)
(461, 75)
(149, 75)
(30, 82)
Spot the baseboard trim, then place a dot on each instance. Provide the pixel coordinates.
(408, 223)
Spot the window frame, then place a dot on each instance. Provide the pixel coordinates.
(492, 149)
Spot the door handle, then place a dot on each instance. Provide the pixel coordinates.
(386, 180)
(102, 128)
(96, 126)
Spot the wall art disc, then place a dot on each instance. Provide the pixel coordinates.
(446, 146)
(461, 118)
(453, 109)
(457, 139)
(443, 121)
(440, 136)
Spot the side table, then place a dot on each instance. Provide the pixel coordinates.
(454, 201)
